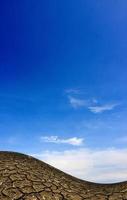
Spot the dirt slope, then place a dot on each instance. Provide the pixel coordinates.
(25, 178)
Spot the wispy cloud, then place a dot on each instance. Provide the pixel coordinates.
(55, 139)
(102, 108)
(93, 105)
(72, 91)
(122, 139)
(77, 103)
(108, 165)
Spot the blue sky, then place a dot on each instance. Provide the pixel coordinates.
(63, 84)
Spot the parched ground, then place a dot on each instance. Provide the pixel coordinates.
(25, 178)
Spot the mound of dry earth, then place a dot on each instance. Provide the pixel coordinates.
(25, 178)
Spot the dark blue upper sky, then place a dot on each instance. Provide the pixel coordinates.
(63, 71)
(44, 43)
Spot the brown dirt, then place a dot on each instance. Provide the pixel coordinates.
(23, 177)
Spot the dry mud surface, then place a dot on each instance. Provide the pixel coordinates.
(25, 178)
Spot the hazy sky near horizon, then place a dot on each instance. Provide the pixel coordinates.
(63, 84)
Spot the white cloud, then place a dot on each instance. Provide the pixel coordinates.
(91, 104)
(94, 100)
(77, 103)
(100, 109)
(72, 91)
(55, 139)
(109, 165)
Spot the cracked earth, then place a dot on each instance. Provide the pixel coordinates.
(25, 178)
